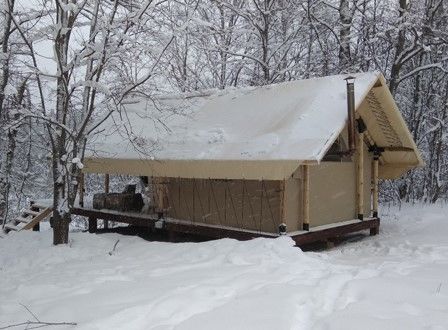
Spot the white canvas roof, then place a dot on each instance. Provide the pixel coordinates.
(279, 126)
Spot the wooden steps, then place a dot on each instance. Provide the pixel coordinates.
(31, 212)
(22, 219)
(29, 218)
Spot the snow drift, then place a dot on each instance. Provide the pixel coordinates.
(397, 280)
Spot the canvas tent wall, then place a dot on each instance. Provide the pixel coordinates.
(243, 204)
(262, 205)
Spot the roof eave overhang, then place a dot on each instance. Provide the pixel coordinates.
(198, 169)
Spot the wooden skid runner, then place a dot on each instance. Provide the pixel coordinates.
(209, 231)
(372, 224)
(29, 219)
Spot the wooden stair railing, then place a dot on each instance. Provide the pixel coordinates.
(29, 218)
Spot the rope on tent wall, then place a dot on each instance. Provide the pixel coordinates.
(216, 203)
(229, 202)
(188, 209)
(242, 202)
(225, 204)
(269, 204)
(178, 195)
(200, 202)
(261, 206)
(194, 214)
(252, 213)
(209, 198)
(166, 195)
(232, 204)
(171, 205)
(155, 195)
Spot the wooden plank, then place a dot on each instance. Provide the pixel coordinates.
(31, 212)
(306, 197)
(39, 206)
(10, 226)
(38, 218)
(397, 149)
(37, 225)
(178, 226)
(337, 231)
(211, 231)
(136, 220)
(282, 201)
(23, 220)
(360, 176)
(214, 232)
(375, 186)
(106, 190)
(93, 224)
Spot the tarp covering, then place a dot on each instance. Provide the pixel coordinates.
(254, 132)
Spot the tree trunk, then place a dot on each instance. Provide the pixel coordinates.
(346, 18)
(4, 58)
(61, 207)
(399, 46)
(61, 225)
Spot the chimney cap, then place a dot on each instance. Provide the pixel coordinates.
(349, 79)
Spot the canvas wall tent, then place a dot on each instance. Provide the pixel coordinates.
(254, 158)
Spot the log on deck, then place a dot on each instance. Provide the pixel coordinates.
(210, 231)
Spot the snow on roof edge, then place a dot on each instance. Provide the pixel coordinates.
(358, 103)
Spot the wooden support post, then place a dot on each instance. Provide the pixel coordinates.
(160, 193)
(92, 224)
(375, 186)
(106, 190)
(282, 200)
(282, 229)
(173, 236)
(81, 189)
(306, 197)
(106, 183)
(360, 177)
(37, 225)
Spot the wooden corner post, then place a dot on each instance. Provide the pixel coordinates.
(360, 179)
(282, 229)
(375, 185)
(106, 190)
(360, 169)
(306, 197)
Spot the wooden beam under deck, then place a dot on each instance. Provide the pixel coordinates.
(106, 190)
(302, 238)
(316, 234)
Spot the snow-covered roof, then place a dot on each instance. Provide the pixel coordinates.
(287, 124)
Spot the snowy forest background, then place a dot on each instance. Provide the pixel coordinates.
(67, 64)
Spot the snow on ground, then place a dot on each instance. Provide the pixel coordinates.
(397, 280)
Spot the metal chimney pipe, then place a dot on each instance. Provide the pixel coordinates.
(351, 113)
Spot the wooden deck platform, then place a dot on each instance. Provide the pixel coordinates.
(302, 238)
